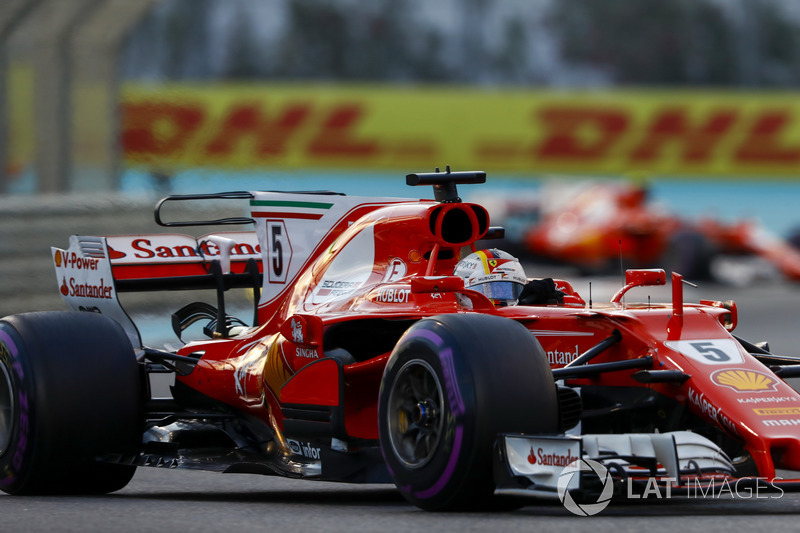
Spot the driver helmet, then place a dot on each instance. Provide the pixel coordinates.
(496, 274)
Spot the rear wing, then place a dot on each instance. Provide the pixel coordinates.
(291, 230)
(180, 262)
(94, 269)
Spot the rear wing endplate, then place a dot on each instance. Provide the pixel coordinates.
(86, 283)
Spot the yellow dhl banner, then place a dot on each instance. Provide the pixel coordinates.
(609, 132)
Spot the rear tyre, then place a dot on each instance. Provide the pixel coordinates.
(70, 391)
(452, 383)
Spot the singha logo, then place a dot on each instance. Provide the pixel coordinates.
(297, 331)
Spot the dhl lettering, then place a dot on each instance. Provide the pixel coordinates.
(162, 129)
(159, 128)
(583, 133)
(334, 139)
(763, 141)
(248, 121)
(593, 133)
(671, 126)
(722, 133)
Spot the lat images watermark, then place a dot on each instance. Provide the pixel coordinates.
(570, 478)
(746, 488)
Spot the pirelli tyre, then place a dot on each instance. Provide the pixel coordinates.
(452, 383)
(70, 392)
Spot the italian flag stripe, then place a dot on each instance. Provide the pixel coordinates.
(284, 203)
(289, 209)
(286, 214)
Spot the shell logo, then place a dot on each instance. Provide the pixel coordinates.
(415, 256)
(58, 258)
(744, 380)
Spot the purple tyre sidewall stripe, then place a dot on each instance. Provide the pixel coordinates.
(448, 471)
(9, 343)
(456, 405)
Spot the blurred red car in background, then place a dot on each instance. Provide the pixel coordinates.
(602, 225)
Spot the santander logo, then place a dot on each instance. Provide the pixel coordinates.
(532, 457)
(551, 457)
(114, 254)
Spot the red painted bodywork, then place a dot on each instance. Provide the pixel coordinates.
(282, 361)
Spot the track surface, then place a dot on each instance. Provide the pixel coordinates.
(163, 500)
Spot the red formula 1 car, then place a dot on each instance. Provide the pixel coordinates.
(594, 225)
(369, 361)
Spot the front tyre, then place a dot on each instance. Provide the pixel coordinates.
(70, 391)
(452, 383)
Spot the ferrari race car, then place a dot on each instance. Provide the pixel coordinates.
(368, 361)
(596, 224)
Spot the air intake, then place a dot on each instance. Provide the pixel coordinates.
(458, 224)
(570, 408)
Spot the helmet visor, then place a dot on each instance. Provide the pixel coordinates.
(503, 291)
